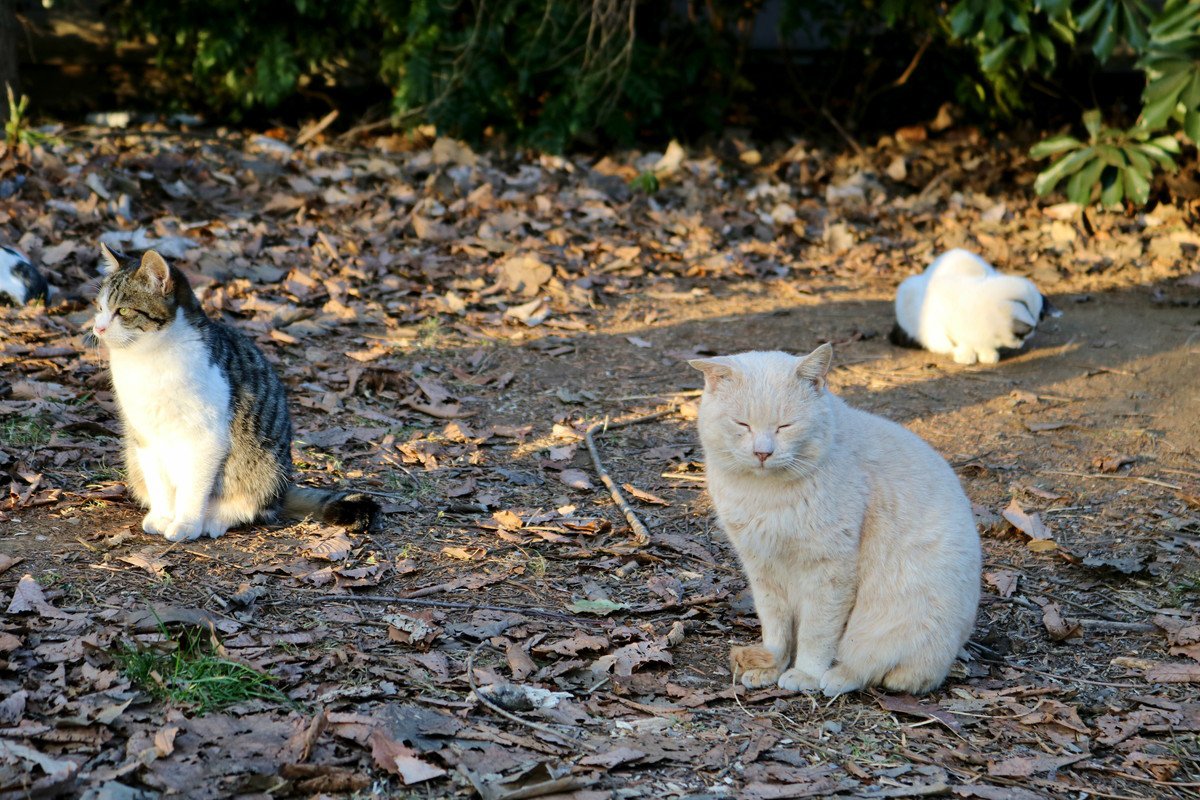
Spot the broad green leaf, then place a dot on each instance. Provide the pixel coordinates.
(1191, 95)
(1028, 55)
(1056, 144)
(1137, 188)
(1135, 32)
(1111, 155)
(1112, 188)
(1079, 187)
(1162, 158)
(1091, 121)
(1092, 13)
(1062, 31)
(1045, 47)
(992, 60)
(1049, 177)
(1139, 161)
(962, 20)
(601, 608)
(1019, 22)
(1191, 125)
(1165, 94)
(1168, 143)
(1106, 39)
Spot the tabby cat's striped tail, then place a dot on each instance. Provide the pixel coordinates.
(353, 509)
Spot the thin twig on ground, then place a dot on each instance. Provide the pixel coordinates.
(641, 536)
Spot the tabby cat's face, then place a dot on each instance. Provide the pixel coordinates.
(135, 300)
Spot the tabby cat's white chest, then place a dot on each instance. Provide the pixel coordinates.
(166, 384)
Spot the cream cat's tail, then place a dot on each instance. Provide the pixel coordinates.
(352, 509)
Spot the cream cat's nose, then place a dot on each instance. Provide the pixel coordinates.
(762, 457)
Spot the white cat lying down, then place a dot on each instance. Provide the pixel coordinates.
(961, 305)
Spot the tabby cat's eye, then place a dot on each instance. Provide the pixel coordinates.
(126, 312)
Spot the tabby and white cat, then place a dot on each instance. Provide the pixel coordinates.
(857, 539)
(207, 435)
(962, 306)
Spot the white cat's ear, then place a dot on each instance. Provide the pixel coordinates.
(815, 366)
(109, 263)
(714, 371)
(156, 269)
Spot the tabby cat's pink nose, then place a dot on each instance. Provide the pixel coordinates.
(762, 457)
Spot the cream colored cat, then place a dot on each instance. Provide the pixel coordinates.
(856, 537)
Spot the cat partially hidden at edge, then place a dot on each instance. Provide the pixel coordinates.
(207, 435)
(857, 539)
(960, 305)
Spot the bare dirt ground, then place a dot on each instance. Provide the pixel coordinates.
(449, 325)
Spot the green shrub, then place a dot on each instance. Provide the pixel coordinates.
(552, 74)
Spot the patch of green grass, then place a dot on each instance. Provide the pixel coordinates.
(15, 430)
(409, 487)
(430, 333)
(189, 672)
(1188, 588)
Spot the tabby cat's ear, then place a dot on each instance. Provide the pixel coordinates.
(108, 262)
(714, 371)
(156, 269)
(815, 366)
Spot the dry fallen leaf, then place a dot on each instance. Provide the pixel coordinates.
(1029, 524)
(576, 479)
(1056, 624)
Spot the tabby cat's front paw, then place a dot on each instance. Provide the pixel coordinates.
(756, 666)
(797, 680)
(838, 680)
(184, 530)
(155, 524)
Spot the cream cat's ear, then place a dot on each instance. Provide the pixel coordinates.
(714, 371)
(109, 263)
(156, 269)
(815, 366)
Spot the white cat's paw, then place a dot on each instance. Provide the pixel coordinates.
(797, 680)
(214, 529)
(837, 680)
(155, 524)
(989, 357)
(184, 530)
(964, 355)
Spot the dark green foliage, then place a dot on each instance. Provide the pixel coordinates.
(551, 74)
(1121, 163)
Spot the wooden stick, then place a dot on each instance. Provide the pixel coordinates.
(641, 536)
(1138, 478)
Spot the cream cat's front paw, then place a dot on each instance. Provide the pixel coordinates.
(184, 530)
(797, 680)
(756, 666)
(155, 524)
(838, 680)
